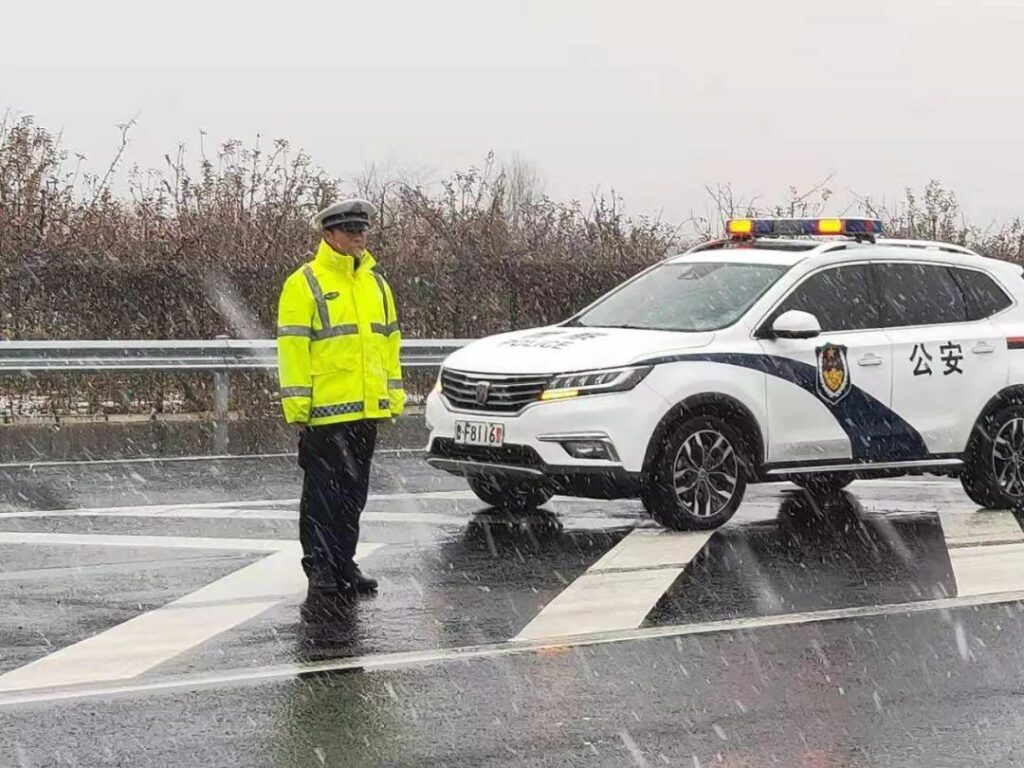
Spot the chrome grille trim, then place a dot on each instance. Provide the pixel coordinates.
(507, 393)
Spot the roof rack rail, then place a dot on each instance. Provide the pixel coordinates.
(832, 247)
(930, 245)
(710, 245)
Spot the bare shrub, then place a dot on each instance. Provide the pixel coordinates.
(199, 250)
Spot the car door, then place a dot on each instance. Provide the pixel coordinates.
(828, 397)
(949, 358)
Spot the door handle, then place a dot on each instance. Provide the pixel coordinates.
(983, 348)
(869, 359)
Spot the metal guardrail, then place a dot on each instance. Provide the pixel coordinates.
(218, 357)
(221, 354)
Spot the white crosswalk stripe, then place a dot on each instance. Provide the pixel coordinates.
(988, 570)
(152, 638)
(984, 527)
(616, 594)
(620, 589)
(986, 552)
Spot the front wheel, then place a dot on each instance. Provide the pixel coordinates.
(699, 478)
(993, 473)
(509, 495)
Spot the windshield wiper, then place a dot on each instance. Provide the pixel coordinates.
(629, 327)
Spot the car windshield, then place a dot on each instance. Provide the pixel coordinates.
(684, 296)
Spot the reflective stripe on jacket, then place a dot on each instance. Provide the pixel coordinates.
(338, 342)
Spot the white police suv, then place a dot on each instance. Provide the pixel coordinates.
(776, 353)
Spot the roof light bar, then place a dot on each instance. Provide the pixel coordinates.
(743, 229)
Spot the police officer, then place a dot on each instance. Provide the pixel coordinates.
(338, 359)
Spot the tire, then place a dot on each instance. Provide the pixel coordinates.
(509, 495)
(993, 472)
(824, 485)
(708, 451)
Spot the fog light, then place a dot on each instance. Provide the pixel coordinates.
(590, 449)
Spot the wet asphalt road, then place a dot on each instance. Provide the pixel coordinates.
(879, 628)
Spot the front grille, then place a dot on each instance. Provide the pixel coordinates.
(513, 455)
(505, 394)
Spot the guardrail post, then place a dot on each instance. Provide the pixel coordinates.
(221, 402)
(221, 396)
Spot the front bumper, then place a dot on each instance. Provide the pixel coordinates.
(534, 442)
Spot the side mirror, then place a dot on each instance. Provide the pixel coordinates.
(794, 324)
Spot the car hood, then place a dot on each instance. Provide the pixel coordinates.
(559, 349)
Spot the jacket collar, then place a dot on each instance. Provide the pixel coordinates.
(342, 263)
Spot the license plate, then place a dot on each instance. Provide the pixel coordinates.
(480, 433)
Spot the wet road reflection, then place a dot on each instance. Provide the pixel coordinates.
(817, 554)
(480, 584)
(454, 575)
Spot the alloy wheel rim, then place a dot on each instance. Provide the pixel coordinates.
(705, 473)
(1008, 457)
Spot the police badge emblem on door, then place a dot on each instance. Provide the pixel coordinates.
(833, 373)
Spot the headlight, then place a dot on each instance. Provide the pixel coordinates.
(594, 382)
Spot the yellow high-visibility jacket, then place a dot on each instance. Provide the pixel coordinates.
(338, 342)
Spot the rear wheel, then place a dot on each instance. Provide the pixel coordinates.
(825, 484)
(993, 473)
(509, 495)
(699, 477)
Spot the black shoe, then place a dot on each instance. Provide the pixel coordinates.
(328, 607)
(321, 585)
(355, 579)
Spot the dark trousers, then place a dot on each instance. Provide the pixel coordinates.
(336, 460)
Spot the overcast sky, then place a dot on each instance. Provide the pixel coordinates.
(654, 98)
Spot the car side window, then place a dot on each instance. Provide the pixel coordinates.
(983, 295)
(920, 294)
(842, 298)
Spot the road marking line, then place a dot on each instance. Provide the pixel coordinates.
(176, 459)
(275, 509)
(169, 512)
(168, 542)
(211, 507)
(608, 598)
(600, 602)
(431, 518)
(767, 502)
(980, 527)
(149, 510)
(76, 572)
(987, 570)
(150, 639)
(986, 552)
(389, 661)
(653, 548)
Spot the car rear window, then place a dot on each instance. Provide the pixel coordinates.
(982, 294)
